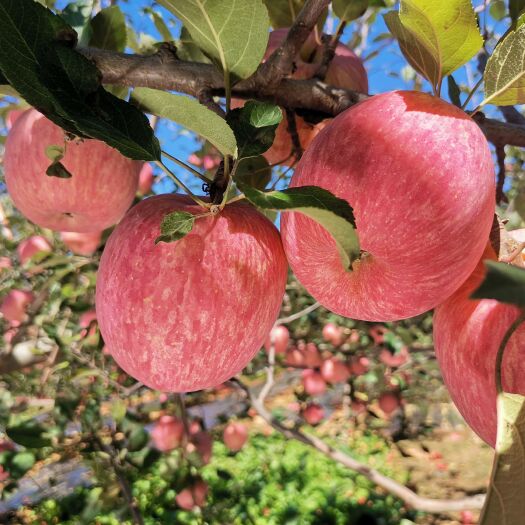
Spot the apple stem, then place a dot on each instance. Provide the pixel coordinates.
(501, 350)
(187, 167)
(181, 185)
(471, 94)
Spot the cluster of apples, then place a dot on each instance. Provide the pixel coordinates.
(190, 314)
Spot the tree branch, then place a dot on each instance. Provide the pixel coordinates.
(166, 72)
(393, 487)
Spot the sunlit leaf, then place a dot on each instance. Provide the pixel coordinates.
(349, 10)
(108, 29)
(505, 503)
(505, 71)
(234, 34)
(189, 113)
(175, 226)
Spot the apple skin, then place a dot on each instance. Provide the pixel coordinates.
(467, 335)
(333, 334)
(14, 304)
(389, 402)
(194, 496)
(12, 116)
(334, 370)
(31, 246)
(420, 177)
(101, 189)
(313, 414)
(188, 315)
(280, 337)
(235, 436)
(5, 263)
(167, 433)
(145, 179)
(82, 243)
(313, 382)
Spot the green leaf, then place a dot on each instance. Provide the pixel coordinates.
(415, 52)
(28, 434)
(23, 461)
(283, 13)
(252, 133)
(188, 50)
(498, 9)
(161, 26)
(254, 171)
(175, 226)
(77, 15)
(54, 153)
(454, 91)
(332, 213)
(262, 114)
(118, 410)
(108, 29)
(503, 282)
(505, 503)
(504, 75)
(349, 10)
(447, 30)
(57, 169)
(189, 113)
(37, 59)
(516, 8)
(234, 34)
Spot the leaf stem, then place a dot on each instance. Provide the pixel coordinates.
(187, 167)
(181, 185)
(501, 350)
(472, 92)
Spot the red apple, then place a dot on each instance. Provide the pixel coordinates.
(12, 116)
(235, 436)
(334, 370)
(14, 305)
(279, 336)
(195, 159)
(359, 366)
(201, 328)
(82, 243)
(389, 402)
(194, 496)
(313, 382)
(203, 443)
(312, 357)
(394, 360)
(294, 357)
(333, 334)
(167, 433)
(313, 414)
(5, 263)
(145, 179)
(420, 177)
(467, 335)
(31, 246)
(101, 188)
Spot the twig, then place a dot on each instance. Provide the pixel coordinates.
(270, 380)
(500, 155)
(298, 315)
(297, 148)
(393, 487)
(329, 47)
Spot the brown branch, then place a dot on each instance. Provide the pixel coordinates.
(280, 63)
(500, 155)
(393, 487)
(168, 73)
(329, 47)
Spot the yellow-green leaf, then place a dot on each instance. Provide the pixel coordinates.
(349, 10)
(188, 113)
(417, 55)
(505, 504)
(234, 33)
(449, 30)
(505, 72)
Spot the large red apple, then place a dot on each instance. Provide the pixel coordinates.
(82, 243)
(31, 246)
(101, 188)
(190, 314)
(14, 304)
(420, 177)
(467, 335)
(167, 433)
(235, 436)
